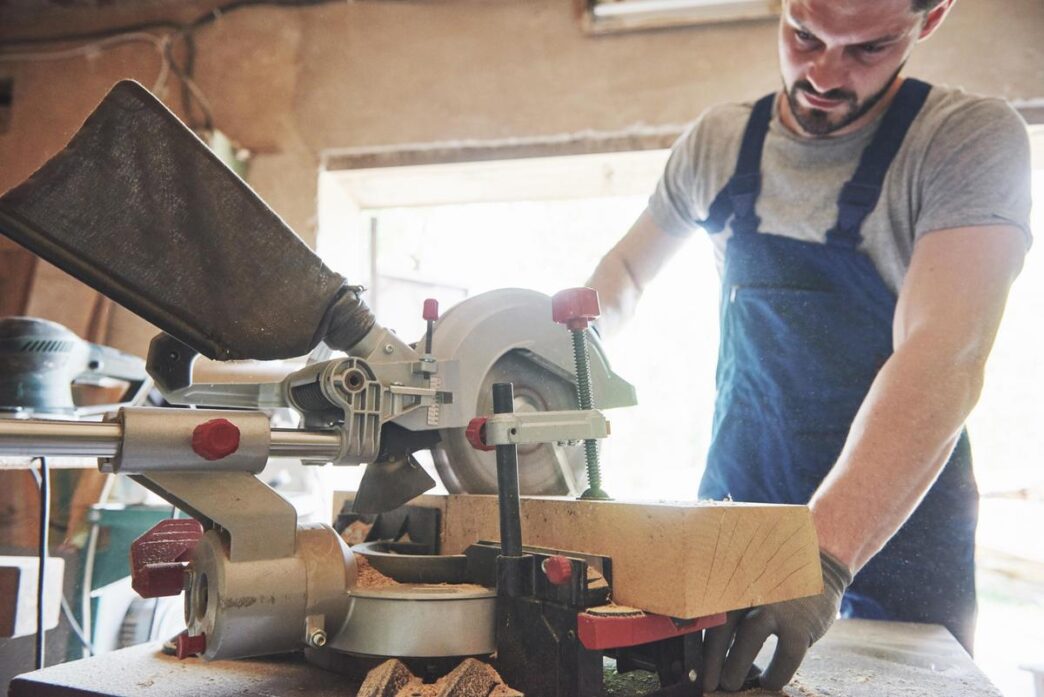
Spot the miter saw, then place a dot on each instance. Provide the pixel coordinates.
(138, 208)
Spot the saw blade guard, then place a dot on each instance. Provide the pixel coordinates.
(508, 335)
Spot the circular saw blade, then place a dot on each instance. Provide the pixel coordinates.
(508, 335)
(543, 469)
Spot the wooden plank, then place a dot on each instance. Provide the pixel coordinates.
(450, 152)
(679, 559)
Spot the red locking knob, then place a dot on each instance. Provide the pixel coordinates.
(215, 439)
(190, 645)
(476, 432)
(575, 307)
(558, 569)
(159, 556)
(431, 309)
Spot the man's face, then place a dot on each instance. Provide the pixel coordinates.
(839, 58)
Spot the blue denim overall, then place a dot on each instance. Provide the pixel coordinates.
(804, 329)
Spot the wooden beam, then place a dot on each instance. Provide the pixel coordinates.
(681, 559)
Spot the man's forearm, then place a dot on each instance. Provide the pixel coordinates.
(618, 292)
(946, 320)
(898, 444)
(622, 274)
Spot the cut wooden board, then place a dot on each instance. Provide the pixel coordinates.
(680, 559)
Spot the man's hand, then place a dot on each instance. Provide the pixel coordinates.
(623, 273)
(729, 650)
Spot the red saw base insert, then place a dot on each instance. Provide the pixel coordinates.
(598, 632)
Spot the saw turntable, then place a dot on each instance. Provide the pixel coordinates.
(502, 395)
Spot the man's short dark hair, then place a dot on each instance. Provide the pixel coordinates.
(924, 5)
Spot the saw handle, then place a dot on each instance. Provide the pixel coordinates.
(170, 362)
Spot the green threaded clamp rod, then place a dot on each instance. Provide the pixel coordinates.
(575, 308)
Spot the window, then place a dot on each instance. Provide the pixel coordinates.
(543, 224)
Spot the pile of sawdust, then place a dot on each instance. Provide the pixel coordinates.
(370, 577)
(472, 678)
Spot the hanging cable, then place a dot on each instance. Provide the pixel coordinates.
(77, 629)
(169, 25)
(91, 35)
(160, 43)
(45, 523)
(190, 91)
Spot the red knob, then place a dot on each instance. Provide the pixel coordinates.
(215, 439)
(159, 556)
(476, 434)
(575, 307)
(558, 569)
(190, 645)
(431, 309)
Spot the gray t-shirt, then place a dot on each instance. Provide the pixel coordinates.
(964, 162)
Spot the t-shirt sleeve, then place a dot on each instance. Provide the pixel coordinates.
(977, 171)
(673, 203)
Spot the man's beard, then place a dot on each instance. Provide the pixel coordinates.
(817, 122)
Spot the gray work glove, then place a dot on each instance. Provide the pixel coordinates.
(797, 623)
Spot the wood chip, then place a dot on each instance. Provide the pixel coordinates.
(357, 532)
(472, 678)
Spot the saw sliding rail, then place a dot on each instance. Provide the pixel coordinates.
(49, 438)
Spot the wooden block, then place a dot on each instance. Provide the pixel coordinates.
(681, 559)
(18, 579)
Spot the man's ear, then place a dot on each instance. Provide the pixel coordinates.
(934, 18)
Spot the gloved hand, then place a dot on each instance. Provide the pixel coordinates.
(729, 650)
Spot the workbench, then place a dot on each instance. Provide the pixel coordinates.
(857, 658)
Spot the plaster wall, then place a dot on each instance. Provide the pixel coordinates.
(288, 84)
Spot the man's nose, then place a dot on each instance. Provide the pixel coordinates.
(827, 72)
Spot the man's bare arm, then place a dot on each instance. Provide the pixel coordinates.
(626, 269)
(947, 317)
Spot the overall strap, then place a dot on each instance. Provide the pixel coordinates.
(860, 194)
(741, 192)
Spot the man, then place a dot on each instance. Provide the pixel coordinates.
(868, 228)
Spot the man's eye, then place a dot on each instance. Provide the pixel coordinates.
(871, 48)
(804, 36)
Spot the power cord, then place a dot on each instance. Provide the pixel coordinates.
(45, 523)
(160, 43)
(66, 609)
(77, 629)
